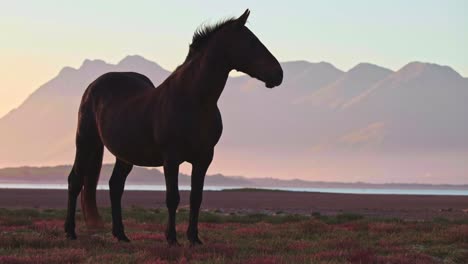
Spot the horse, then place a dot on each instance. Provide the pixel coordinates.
(179, 121)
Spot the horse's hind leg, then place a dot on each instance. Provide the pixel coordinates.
(85, 173)
(116, 188)
(75, 184)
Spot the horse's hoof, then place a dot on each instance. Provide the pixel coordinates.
(71, 236)
(195, 242)
(171, 238)
(173, 243)
(121, 237)
(193, 238)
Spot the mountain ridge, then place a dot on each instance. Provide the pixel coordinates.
(366, 111)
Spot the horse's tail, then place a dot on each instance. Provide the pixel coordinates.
(88, 193)
(88, 160)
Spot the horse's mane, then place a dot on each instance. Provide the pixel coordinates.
(204, 33)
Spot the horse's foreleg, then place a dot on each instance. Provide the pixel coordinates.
(116, 188)
(196, 195)
(171, 173)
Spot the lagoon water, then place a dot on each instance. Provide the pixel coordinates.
(134, 187)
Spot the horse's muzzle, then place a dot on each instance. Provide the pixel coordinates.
(275, 80)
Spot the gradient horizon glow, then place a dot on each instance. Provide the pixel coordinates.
(40, 37)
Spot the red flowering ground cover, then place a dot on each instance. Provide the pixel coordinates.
(36, 236)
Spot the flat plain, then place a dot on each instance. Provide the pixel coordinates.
(35, 235)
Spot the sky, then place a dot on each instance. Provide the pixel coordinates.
(38, 38)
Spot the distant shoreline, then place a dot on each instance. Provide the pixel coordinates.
(413, 207)
(153, 176)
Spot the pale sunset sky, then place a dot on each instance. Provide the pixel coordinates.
(38, 38)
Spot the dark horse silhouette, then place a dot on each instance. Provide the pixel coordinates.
(178, 121)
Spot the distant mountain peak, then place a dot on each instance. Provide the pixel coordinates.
(304, 65)
(308, 76)
(133, 58)
(365, 67)
(136, 60)
(328, 65)
(129, 62)
(93, 64)
(87, 62)
(416, 68)
(297, 62)
(66, 70)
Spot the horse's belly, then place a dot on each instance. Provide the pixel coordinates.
(138, 155)
(132, 144)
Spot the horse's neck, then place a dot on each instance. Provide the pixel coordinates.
(203, 78)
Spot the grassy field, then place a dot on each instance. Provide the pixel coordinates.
(36, 236)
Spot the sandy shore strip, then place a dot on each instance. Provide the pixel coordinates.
(413, 207)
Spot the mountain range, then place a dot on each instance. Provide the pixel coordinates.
(367, 124)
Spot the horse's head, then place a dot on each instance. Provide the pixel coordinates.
(247, 54)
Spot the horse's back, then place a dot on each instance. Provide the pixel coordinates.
(113, 90)
(120, 83)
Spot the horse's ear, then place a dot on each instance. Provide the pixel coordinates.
(243, 19)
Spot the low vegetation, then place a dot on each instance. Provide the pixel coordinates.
(36, 236)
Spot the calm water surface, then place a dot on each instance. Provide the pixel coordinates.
(219, 188)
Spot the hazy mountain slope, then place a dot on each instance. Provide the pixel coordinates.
(423, 107)
(42, 129)
(353, 83)
(254, 115)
